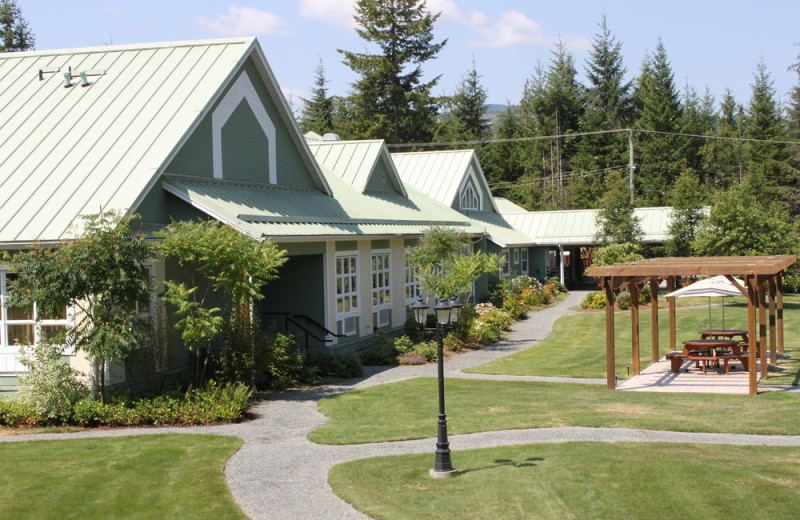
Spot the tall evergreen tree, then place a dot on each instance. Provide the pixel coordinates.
(722, 160)
(317, 115)
(658, 109)
(389, 100)
(697, 118)
(503, 162)
(607, 106)
(465, 119)
(14, 30)
(793, 109)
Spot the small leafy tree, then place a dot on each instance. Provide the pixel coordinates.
(443, 265)
(616, 254)
(687, 199)
(616, 222)
(743, 222)
(218, 261)
(101, 274)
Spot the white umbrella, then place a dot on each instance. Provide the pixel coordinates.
(713, 286)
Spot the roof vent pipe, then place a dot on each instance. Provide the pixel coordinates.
(67, 79)
(84, 80)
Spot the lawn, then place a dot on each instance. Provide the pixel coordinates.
(407, 410)
(580, 480)
(576, 347)
(143, 477)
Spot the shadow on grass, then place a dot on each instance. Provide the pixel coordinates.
(498, 463)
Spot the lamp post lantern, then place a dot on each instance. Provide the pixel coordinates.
(447, 312)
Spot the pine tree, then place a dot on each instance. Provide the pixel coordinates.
(658, 109)
(317, 115)
(14, 30)
(793, 110)
(465, 119)
(607, 106)
(503, 162)
(389, 100)
(697, 118)
(723, 159)
(687, 198)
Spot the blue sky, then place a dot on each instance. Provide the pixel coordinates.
(711, 44)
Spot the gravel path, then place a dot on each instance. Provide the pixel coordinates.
(279, 474)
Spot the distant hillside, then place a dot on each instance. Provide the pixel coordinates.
(494, 110)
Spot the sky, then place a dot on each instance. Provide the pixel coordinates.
(711, 44)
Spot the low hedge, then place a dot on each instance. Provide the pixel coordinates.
(212, 404)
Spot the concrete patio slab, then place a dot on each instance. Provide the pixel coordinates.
(659, 378)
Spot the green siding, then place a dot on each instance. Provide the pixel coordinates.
(195, 157)
(380, 179)
(245, 153)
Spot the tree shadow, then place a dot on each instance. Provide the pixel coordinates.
(527, 463)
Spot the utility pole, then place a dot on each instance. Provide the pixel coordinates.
(631, 167)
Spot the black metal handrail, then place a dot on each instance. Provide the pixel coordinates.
(289, 318)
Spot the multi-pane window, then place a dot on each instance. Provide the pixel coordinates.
(25, 325)
(504, 268)
(523, 261)
(381, 287)
(469, 198)
(516, 256)
(412, 285)
(347, 292)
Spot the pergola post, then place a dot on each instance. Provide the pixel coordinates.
(610, 362)
(779, 291)
(751, 329)
(672, 333)
(773, 351)
(762, 326)
(633, 289)
(654, 319)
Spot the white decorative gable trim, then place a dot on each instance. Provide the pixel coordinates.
(471, 179)
(242, 89)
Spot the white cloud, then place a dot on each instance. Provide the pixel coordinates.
(338, 13)
(294, 96)
(510, 30)
(244, 21)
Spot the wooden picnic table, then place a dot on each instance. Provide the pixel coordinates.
(704, 351)
(725, 334)
(711, 344)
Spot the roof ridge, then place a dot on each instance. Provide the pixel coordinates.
(234, 182)
(128, 47)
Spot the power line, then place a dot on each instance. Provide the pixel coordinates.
(581, 134)
(545, 179)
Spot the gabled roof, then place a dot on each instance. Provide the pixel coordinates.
(578, 227)
(286, 214)
(355, 162)
(504, 205)
(440, 174)
(73, 150)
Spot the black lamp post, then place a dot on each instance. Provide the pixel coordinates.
(447, 312)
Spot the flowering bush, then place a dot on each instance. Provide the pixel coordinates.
(410, 358)
(594, 300)
(490, 323)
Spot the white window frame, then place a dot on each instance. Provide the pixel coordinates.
(523, 259)
(5, 347)
(470, 200)
(381, 264)
(346, 270)
(516, 256)
(413, 289)
(504, 267)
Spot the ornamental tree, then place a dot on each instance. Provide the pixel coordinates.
(101, 274)
(221, 265)
(444, 266)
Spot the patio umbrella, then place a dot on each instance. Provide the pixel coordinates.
(714, 286)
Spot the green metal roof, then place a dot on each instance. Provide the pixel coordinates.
(73, 150)
(354, 161)
(268, 211)
(499, 231)
(578, 227)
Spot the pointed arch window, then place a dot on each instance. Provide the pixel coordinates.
(470, 200)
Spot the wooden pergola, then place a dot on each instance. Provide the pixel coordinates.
(762, 276)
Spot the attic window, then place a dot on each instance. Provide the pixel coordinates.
(469, 198)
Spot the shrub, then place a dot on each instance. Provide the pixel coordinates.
(411, 328)
(644, 295)
(403, 344)
(594, 300)
(490, 324)
(465, 319)
(50, 387)
(279, 364)
(427, 350)
(623, 300)
(791, 284)
(558, 287)
(323, 363)
(381, 351)
(514, 307)
(452, 342)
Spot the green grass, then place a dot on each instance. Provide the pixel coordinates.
(576, 347)
(580, 480)
(144, 477)
(407, 410)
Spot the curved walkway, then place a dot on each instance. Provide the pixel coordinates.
(279, 474)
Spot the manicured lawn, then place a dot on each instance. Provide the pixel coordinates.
(407, 410)
(152, 476)
(580, 480)
(576, 347)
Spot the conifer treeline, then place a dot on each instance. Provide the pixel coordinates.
(564, 172)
